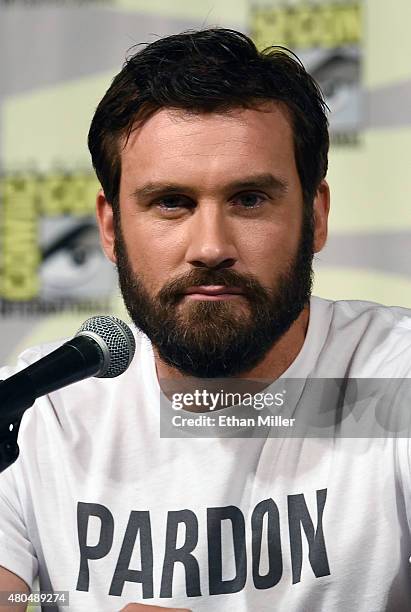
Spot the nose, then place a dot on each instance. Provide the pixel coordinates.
(211, 242)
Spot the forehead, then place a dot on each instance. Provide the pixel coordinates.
(218, 143)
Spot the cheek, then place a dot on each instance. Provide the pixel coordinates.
(152, 252)
(272, 245)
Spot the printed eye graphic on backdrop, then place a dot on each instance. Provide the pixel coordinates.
(338, 73)
(73, 264)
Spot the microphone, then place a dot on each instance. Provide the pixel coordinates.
(103, 347)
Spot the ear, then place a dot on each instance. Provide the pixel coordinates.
(321, 208)
(105, 221)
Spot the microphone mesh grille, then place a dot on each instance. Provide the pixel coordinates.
(119, 340)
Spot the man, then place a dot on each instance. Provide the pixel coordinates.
(212, 159)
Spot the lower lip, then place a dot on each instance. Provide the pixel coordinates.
(212, 298)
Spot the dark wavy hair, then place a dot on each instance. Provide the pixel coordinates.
(208, 71)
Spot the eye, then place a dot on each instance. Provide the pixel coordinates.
(249, 199)
(173, 202)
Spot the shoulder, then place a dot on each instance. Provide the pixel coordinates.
(354, 312)
(375, 310)
(373, 339)
(373, 318)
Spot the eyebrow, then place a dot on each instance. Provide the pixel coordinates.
(259, 181)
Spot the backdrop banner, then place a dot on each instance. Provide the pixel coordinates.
(57, 59)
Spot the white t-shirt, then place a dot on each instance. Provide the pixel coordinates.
(98, 504)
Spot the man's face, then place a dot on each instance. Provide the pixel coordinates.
(213, 250)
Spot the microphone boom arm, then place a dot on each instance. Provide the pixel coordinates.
(73, 361)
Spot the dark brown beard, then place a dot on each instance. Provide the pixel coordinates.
(217, 339)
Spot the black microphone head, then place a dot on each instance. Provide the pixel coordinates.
(116, 341)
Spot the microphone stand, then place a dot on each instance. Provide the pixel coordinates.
(9, 450)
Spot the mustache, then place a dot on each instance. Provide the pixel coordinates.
(172, 292)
